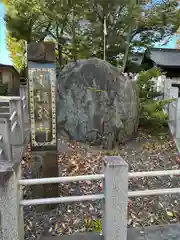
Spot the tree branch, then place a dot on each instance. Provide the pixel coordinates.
(140, 29)
(45, 33)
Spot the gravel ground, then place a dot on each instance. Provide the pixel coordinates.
(143, 153)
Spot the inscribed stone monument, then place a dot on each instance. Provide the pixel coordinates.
(42, 107)
(96, 103)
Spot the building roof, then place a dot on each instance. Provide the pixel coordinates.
(165, 57)
(9, 67)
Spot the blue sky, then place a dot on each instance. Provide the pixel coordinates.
(4, 55)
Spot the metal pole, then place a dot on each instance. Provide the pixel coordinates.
(40, 181)
(105, 33)
(57, 200)
(153, 192)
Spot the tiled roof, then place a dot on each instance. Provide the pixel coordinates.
(165, 57)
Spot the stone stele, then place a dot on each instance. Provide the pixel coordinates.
(96, 103)
(42, 52)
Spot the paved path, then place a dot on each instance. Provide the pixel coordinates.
(161, 232)
(82, 236)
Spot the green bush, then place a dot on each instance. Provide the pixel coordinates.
(151, 109)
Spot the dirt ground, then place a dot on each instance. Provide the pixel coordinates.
(143, 153)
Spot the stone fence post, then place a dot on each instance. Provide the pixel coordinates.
(5, 141)
(16, 105)
(24, 98)
(174, 91)
(23, 91)
(167, 86)
(116, 198)
(24, 95)
(11, 213)
(177, 120)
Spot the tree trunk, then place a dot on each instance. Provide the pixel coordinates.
(60, 55)
(129, 36)
(127, 48)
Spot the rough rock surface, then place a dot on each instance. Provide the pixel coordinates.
(96, 103)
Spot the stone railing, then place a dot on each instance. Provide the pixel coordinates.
(13, 112)
(115, 195)
(165, 86)
(13, 136)
(173, 109)
(115, 178)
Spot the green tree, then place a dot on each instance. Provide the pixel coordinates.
(24, 24)
(36, 20)
(66, 28)
(129, 26)
(77, 26)
(17, 52)
(25, 20)
(152, 115)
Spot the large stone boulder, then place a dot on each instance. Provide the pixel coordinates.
(96, 103)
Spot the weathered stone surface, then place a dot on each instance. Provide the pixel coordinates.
(45, 165)
(41, 52)
(96, 103)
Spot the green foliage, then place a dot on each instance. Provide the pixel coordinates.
(145, 85)
(93, 225)
(112, 153)
(129, 25)
(17, 49)
(151, 109)
(26, 20)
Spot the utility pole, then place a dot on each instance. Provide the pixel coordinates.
(74, 36)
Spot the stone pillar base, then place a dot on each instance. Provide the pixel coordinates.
(45, 165)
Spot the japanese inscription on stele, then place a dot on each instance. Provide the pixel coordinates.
(42, 97)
